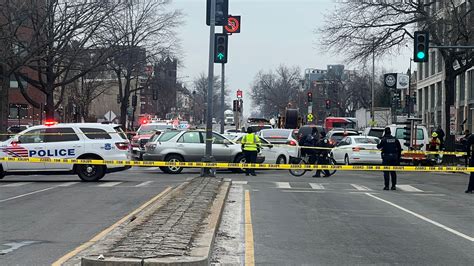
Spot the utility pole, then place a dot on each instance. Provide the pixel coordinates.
(207, 172)
(222, 98)
(372, 83)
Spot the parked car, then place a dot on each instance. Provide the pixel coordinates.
(357, 149)
(189, 146)
(273, 153)
(374, 132)
(336, 135)
(279, 136)
(308, 129)
(144, 133)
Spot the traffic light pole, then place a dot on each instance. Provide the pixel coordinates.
(207, 172)
(222, 98)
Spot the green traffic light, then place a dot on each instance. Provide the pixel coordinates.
(420, 55)
(220, 56)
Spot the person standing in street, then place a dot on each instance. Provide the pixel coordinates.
(322, 154)
(391, 154)
(250, 146)
(470, 186)
(465, 147)
(441, 136)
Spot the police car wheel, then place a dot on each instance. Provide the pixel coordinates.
(90, 172)
(173, 159)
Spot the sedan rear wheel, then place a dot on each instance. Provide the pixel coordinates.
(173, 159)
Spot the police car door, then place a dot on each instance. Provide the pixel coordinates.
(29, 143)
(61, 142)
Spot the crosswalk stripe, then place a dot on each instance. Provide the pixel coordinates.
(18, 184)
(316, 186)
(283, 184)
(110, 184)
(68, 184)
(360, 187)
(409, 188)
(240, 182)
(146, 183)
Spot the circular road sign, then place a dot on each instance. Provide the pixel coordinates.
(390, 80)
(233, 24)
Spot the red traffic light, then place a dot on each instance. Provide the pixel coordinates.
(310, 97)
(239, 94)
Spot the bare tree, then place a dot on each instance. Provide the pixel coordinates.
(200, 85)
(50, 39)
(360, 28)
(273, 91)
(141, 32)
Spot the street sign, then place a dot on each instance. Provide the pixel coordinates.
(233, 25)
(110, 115)
(390, 80)
(310, 117)
(403, 81)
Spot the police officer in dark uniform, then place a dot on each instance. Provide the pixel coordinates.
(322, 154)
(391, 154)
(470, 142)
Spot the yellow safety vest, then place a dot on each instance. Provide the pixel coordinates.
(251, 142)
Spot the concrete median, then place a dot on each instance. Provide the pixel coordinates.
(178, 229)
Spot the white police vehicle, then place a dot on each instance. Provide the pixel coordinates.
(66, 141)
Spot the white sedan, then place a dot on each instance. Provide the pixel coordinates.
(274, 153)
(357, 149)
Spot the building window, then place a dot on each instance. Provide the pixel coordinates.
(426, 67)
(439, 59)
(462, 86)
(432, 95)
(425, 98)
(432, 63)
(420, 71)
(15, 109)
(439, 93)
(470, 83)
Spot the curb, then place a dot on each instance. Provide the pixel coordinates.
(203, 243)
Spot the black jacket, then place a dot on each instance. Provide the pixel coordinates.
(390, 145)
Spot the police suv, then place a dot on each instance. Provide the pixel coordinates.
(66, 141)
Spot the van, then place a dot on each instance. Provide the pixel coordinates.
(420, 142)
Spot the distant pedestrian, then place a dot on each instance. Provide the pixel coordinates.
(465, 147)
(322, 154)
(391, 154)
(250, 146)
(441, 136)
(470, 186)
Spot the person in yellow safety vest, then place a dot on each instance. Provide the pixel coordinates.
(251, 147)
(435, 142)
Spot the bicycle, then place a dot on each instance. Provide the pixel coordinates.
(305, 160)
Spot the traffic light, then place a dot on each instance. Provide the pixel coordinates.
(155, 95)
(328, 104)
(396, 103)
(421, 46)
(235, 105)
(220, 48)
(222, 12)
(310, 97)
(407, 135)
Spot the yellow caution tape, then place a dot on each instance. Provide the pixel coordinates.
(244, 165)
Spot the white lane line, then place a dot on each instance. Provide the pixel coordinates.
(423, 218)
(146, 183)
(303, 191)
(18, 184)
(68, 184)
(283, 184)
(151, 168)
(240, 182)
(408, 188)
(110, 184)
(316, 186)
(27, 194)
(360, 187)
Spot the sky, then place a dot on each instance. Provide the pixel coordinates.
(273, 32)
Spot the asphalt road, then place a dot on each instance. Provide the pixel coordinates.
(348, 219)
(44, 217)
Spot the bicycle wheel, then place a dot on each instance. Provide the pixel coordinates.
(298, 172)
(331, 161)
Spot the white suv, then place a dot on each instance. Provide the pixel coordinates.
(66, 141)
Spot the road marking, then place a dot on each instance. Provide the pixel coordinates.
(240, 182)
(423, 218)
(17, 184)
(110, 184)
(360, 187)
(27, 194)
(408, 188)
(96, 238)
(15, 245)
(144, 184)
(68, 184)
(283, 184)
(249, 245)
(303, 191)
(316, 186)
